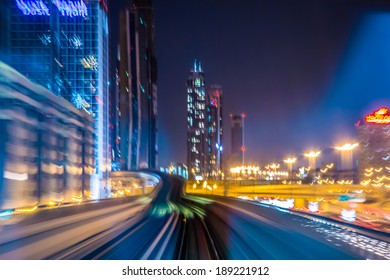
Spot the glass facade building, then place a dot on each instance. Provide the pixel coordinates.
(137, 133)
(196, 123)
(63, 46)
(204, 127)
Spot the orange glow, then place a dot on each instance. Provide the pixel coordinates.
(380, 116)
(347, 147)
(290, 160)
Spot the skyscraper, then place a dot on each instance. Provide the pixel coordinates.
(214, 132)
(144, 23)
(63, 45)
(237, 153)
(137, 87)
(374, 139)
(196, 123)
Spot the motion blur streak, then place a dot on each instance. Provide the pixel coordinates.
(167, 224)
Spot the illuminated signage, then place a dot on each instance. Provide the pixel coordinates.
(380, 116)
(71, 8)
(66, 8)
(33, 8)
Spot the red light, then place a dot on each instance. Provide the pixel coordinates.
(231, 115)
(380, 116)
(243, 148)
(358, 123)
(243, 115)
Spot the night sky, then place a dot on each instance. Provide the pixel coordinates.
(303, 71)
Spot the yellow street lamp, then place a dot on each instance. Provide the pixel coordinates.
(312, 156)
(290, 161)
(346, 155)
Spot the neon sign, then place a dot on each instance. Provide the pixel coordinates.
(66, 8)
(33, 8)
(71, 8)
(380, 116)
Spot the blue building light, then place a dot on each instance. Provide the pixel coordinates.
(142, 88)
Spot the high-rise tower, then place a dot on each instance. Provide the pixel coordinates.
(147, 65)
(138, 87)
(238, 148)
(196, 123)
(214, 132)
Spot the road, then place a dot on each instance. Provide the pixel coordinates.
(167, 224)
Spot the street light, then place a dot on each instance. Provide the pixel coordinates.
(290, 161)
(312, 156)
(346, 155)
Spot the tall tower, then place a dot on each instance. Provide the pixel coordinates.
(196, 123)
(147, 81)
(214, 132)
(238, 147)
(129, 93)
(64, 47)
(137, 87)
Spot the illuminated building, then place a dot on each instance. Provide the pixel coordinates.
(178, 169)
(63, 46)
(214, 132)
(238, 148)
(46, 145)
(196, 123)
(374, 139)
(137, 88)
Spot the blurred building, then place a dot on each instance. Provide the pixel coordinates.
(214, 133)
(237, 145)
(63, 46)
(374, 139)
(179, 169)
(115, 114)
(196, 123)
(137, 87)
(46, 145)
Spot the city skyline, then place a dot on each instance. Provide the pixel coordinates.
(308, 88)
(268, 139)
